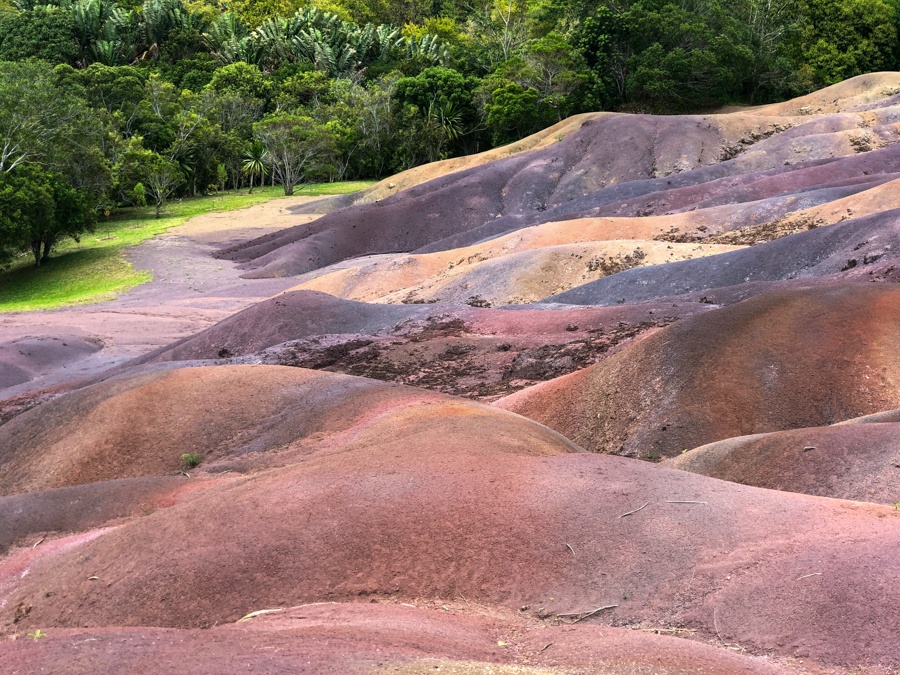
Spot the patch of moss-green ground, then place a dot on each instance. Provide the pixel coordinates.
(95, 269)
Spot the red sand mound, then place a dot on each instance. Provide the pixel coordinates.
(851, 461)
(422, 502)
(140, 426)
(365, 638)
(783, 360)
(435, 498)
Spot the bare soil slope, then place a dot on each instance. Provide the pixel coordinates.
(473, 351)
(720, 282)
(375, 638)
(850, 461)
(783, 360)
(445, 500)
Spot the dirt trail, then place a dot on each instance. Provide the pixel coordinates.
(190, 291)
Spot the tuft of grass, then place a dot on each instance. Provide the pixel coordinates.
(191, 461)
(96, 270)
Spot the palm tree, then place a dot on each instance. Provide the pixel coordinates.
(256, 162)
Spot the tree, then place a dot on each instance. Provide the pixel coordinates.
(444, 100)
(37, 118)
(43, 33)
(255, 162)
(243, 80)
(37, 209)
(501, 26)
(513, 113)
(162, 178)
(552, 72)
(843, 38)
(297, 147)
(25, 203)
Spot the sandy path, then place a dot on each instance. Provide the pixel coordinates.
(190, 291)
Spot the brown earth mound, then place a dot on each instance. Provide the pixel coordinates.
(449, 501)
(367, 638)
(850, 461)
(142, 425)
(786, 359)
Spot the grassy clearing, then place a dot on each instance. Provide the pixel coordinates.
(95, 269)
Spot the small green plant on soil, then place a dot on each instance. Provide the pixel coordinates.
(37, 635)
(896, 506)
(191, 461)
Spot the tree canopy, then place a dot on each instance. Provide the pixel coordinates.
(123, 101)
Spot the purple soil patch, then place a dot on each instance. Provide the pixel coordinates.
(24, 359)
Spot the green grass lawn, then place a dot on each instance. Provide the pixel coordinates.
(95, 269)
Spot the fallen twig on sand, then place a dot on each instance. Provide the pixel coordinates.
(807, 576)
(38, 542)
(571, 549)
(260, 612)
(716, 626)
(636, 510)
(544, 648)
(674, 631)
(586, 614)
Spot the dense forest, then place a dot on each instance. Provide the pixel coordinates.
(106, 104)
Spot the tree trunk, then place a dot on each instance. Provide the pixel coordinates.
(251, 184)
(158, 207)
(48, 245)
(36, 250)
